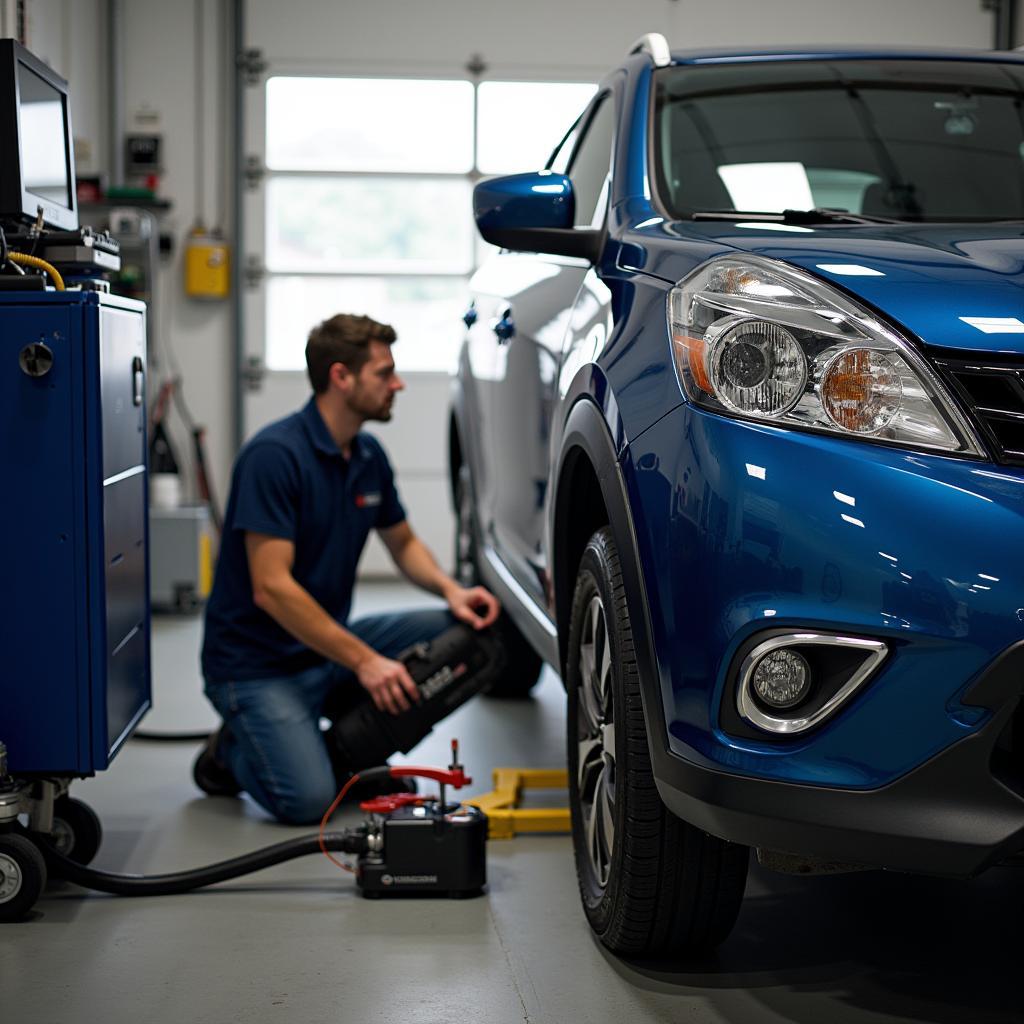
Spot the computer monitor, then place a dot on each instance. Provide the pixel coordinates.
(37, 161)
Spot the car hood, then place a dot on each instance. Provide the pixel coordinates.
(953, 287)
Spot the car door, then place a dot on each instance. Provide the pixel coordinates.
(524, 302)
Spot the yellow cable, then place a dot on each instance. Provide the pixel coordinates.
(34, 261)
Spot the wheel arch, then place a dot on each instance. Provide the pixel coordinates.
(588, 460)
(591, 492)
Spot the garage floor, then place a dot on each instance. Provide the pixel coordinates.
(297, 943)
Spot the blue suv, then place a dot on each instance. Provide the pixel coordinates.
(738, 438)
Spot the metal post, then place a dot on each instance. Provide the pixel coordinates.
(115, 97)
(238, 217)
(1004, 13)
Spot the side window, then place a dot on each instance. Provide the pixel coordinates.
(592, 162)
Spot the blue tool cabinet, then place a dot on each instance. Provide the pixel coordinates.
(74, 615)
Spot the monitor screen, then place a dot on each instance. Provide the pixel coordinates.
(44, 158)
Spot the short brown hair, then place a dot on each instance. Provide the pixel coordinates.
(343, 338)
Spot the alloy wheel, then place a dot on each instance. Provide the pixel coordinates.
(596, 742)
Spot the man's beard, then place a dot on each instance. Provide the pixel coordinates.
(376, 413)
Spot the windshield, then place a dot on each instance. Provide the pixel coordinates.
(907, 139)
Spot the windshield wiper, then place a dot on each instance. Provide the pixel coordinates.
(819, 215)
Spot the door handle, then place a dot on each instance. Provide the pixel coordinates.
(505, 328)
(471, 316)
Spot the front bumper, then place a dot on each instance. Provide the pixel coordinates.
(774, 529)
(950, 816)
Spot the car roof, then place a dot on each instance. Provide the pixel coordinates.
(719, 55)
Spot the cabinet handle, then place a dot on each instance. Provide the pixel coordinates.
(137, 380)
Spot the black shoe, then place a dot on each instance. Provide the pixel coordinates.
(367, 789)
(211, 774)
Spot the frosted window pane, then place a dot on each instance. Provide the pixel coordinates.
(376, 224)
(425, 312)
(369, 124)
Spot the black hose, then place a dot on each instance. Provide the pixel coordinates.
(349, 841)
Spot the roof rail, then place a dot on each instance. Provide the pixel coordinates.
(655, 44)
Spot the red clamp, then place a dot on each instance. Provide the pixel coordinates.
(446, 776)
(389, 802)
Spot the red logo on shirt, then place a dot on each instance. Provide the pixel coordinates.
(367, 500)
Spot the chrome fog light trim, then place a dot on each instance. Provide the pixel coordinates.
(874, 653)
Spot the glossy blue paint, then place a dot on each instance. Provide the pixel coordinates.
(768, 528)
(540, 199)
(632, 178)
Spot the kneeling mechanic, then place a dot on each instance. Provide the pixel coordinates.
(277, 653)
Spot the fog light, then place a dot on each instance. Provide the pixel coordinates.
(782, 679)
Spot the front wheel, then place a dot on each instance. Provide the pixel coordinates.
(650, 883)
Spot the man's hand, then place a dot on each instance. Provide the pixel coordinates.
(475, 606)
(387, 682)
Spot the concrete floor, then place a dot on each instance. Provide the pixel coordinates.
(297, 942)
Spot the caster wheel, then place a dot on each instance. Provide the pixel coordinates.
(77, 832)
(22, 876)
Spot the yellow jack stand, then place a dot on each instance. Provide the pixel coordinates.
(505, 818)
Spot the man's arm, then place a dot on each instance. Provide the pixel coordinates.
(276, 591)
(473, 605)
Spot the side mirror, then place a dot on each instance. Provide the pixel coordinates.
(533, 213)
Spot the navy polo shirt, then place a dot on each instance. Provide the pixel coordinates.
(292, 481)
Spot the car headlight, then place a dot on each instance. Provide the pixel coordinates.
(761, 340)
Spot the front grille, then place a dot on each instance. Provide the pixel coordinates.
(994, 392)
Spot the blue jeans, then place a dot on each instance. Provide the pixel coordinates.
(273, 743)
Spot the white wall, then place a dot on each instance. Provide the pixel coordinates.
(580, 34)
(70, 37)
(565, 39)
(162, 75)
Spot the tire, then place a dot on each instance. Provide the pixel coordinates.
(523, 664)
(77, 832)
(22, 875)
(651, 884)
